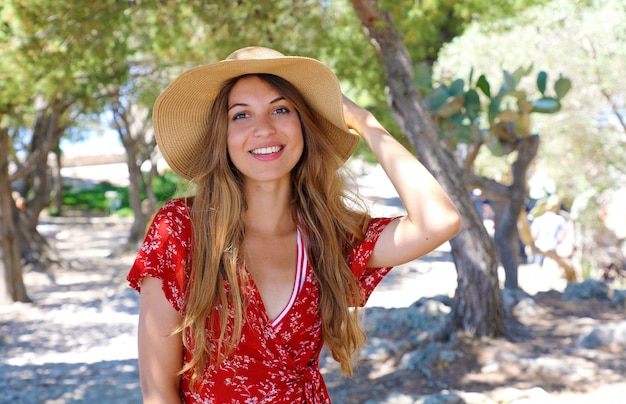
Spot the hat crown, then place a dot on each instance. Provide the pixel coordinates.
(254, 52)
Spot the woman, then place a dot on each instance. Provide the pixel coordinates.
(243, 284)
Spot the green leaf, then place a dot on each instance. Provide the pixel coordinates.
(472, 104)
(494, 107)
(483, 85)
(456, 88)
(437, 98)
(457, 119)
(453, 106)
(521, 72)
(509, 81)
(562, 87)
(542, 78)
(546, 105)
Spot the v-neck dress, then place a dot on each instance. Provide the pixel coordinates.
(276, 361)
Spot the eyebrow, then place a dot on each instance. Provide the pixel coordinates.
(241, 104)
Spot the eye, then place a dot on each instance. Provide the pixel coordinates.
(239, 115)
(282, 110)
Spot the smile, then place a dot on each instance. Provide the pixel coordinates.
(266, 150)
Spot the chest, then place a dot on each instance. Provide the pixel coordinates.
(294, 334)
(272, 264)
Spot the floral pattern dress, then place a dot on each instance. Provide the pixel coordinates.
(276, 361)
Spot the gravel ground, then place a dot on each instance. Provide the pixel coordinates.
(77, 342)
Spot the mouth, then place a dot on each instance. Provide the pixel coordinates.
(266, 150)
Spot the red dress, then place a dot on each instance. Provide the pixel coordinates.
(276, 361)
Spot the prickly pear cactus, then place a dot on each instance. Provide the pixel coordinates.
(497, 119)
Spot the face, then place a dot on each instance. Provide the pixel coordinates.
(264, 133)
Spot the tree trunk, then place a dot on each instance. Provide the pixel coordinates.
(36, 252)
(138, 228)
(478, 301)
(19, 228)
(507, 240)
(12, 287)
(131, 123)
(151, 203)
(57, 183)
(46, 134)
(508, 202)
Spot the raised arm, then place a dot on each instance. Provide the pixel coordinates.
(431, 219)
(160, 353)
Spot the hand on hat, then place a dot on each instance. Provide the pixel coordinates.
(355, 116)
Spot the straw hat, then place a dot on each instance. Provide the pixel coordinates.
(181, 112)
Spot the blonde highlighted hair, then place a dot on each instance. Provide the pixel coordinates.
(332, 216)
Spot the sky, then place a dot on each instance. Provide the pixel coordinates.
(96, 144)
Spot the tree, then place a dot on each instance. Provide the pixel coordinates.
(11, 283)
(506, 131)
(55, 57)
(478, 306)
(586, 138)
(135, 132)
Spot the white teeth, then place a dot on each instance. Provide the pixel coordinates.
(266, 150)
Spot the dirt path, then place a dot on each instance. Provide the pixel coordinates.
(77, 342)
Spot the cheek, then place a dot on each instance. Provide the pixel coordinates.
(297, 132)
(234, 139)
(233, 146)
(301, 140)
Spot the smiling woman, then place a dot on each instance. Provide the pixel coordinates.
(264, 132)
(244, 282)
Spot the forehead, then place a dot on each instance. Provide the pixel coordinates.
(252, 86)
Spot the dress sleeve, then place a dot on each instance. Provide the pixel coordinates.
(165, 252)
(368, 278)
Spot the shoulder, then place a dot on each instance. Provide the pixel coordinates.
(174, 212)
(171, 223)
(375, 226)
(363, 251)
(176, 206)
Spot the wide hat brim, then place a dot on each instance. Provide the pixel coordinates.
(181, 112)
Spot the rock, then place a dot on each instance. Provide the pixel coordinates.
(420, 358)
(445, 397)
(589, 289)
(511, 297)
(525, 308)
(450, 355)
(604, 335)
(619, 298)
(378, 349)
(422, 316)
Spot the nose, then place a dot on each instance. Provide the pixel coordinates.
(264, 126)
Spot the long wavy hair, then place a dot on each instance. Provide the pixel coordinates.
(332, 215)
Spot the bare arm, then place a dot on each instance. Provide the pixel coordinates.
(431, 219)
(160, 353)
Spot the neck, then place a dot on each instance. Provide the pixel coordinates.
(269, 208)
